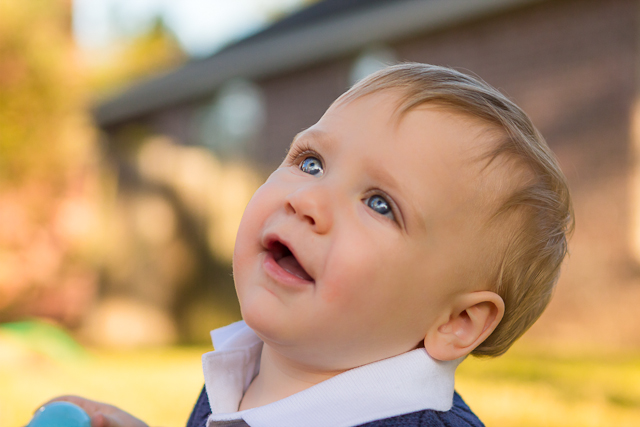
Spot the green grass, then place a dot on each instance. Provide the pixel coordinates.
(159, 385)
(525, 388)
(531, 388)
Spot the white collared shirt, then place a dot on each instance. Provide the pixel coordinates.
(406, 383)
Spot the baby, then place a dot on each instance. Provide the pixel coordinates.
(422, 219)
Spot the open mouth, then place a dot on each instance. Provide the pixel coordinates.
(287, 261)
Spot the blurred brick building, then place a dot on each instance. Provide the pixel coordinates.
(571, 64)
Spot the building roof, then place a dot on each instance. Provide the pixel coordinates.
(319, 11)
(324, 30)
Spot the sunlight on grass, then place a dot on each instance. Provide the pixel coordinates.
(531, 388)
(159, 386)
(525, 388)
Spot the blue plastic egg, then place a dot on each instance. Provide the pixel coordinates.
(60, 414)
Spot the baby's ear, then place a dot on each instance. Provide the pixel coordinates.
(469, 322)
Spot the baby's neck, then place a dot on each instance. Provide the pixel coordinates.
(280, 377)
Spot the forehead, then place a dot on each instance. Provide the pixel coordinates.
(433, 154)
(379, 117)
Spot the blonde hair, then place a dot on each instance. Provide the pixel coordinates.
(530, 265)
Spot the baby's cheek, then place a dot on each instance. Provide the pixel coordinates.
(351, 282)
(332, 291)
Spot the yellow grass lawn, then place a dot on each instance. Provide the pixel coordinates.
(157, 385)
(522, 389)
(534, 388)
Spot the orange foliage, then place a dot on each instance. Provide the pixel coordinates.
(51, 186)
(48, 178)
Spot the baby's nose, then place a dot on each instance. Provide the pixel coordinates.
(313, 205)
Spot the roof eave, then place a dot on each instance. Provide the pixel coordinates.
(295, 49)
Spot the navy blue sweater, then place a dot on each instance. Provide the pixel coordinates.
(458, 416)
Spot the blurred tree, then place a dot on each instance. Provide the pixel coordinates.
(133, 59)
(50, 174)
(40, 91)
(46, 159)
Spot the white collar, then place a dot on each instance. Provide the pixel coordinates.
(402, 384)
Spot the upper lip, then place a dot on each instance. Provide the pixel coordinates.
(272, 242)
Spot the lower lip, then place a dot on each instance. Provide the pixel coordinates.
(280, 275)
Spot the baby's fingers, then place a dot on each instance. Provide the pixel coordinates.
(89, 406)
(102, 414)
(99, 420)
(115, 418)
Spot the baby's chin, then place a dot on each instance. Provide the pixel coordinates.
(271, 328)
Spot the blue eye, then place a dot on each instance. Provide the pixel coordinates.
(380, 205)
(312, 166)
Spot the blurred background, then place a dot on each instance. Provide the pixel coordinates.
(133, 133)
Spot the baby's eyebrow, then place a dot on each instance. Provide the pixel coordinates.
(295, 138)
(379, 174)
(390, 184)
(315, 135)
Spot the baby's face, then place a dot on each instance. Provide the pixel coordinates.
(357, 244)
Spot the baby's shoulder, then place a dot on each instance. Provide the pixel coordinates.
(458, 416)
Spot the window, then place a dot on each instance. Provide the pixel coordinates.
(233, 119)
(371, 60)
